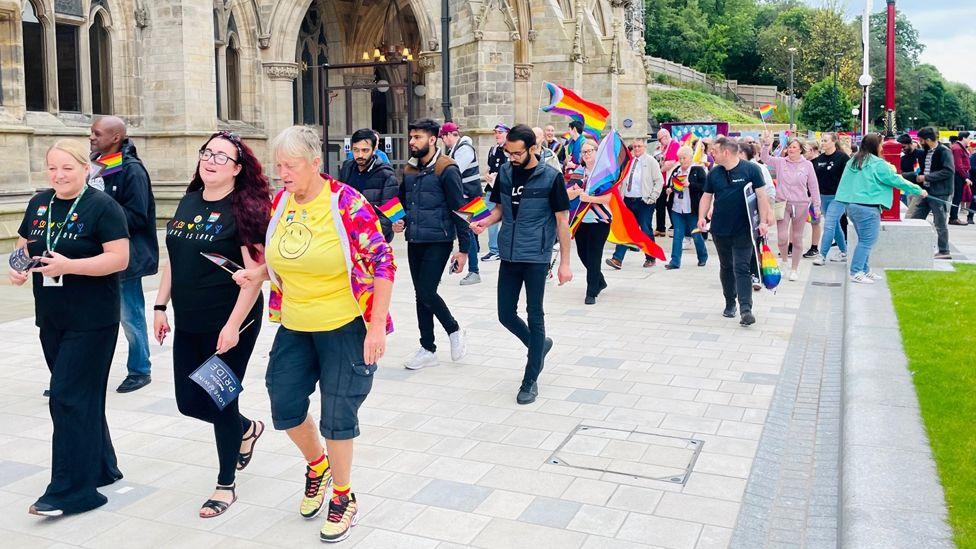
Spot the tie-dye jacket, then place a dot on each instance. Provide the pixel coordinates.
(368, 255)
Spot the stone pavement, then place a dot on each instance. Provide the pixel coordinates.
(648, 383)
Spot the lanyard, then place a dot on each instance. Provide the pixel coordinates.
(50, 208)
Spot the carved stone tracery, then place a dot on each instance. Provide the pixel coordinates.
(523, 71)
(507, 13)
(282, 71)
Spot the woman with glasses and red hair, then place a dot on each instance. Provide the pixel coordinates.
(225, 214)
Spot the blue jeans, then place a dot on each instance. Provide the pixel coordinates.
(492, 231)
(683, 224)
(825, 201)
(644, 214)
(867, 223)
(473, 249)
(134, 326)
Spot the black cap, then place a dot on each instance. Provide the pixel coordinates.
(905, 139)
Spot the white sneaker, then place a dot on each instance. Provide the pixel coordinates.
(840, 257)
(794, 276)
(873, 275)
(686, 244)
(819, 260)
(471, 278)
(861, 278)
(421, 359)
(459, 347)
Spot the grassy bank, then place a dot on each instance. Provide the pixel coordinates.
(938, 327)
(696, 106)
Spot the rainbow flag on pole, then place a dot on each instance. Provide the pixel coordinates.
(567, 102)
(393, 210)
(477, 209)
(110, 163)
(766, 111)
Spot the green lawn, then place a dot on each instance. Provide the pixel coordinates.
(937, 314)
(696, 106)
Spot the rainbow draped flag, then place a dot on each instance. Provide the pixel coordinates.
(110, 163)
(766, 111)
(769, 268)
(393, 210)
(612, 165)
(566, 102)
(477, 209)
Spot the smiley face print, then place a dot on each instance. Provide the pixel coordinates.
(294, 241)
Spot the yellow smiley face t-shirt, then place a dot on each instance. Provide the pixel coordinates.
(306, 254)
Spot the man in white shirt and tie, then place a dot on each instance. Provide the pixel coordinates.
(640, 191)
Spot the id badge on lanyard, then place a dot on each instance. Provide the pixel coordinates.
(49, 281)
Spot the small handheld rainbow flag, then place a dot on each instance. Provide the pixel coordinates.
(680, 182)
(766, 111)
(393, 210)
(477, 209)
(769, 269)
(812, 216)
(110, 163)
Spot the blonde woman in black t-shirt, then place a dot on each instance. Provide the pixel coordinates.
(79, 236)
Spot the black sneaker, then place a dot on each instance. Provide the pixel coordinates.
(729, 311)
(133, 383)
(47, 393)
(747, 319)
(490, 256)
(527, 395)
(812, 252)
(547, 347)
(590, 300)
(45, 510)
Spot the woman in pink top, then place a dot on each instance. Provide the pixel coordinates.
(797, 186)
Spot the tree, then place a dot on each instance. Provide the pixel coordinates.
(826, 108)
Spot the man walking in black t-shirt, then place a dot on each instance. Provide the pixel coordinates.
(535, 195)
(730, 224)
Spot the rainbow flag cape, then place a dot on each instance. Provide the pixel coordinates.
(612, 165)
(477, 209)
(769, 268)
(393, 210)
(567, 102)
(110, 163)
(766, 111)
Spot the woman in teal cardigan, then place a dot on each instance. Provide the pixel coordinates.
(865, 188)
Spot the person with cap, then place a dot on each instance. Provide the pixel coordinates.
(496, 159)
(130, 186)
(367, 173)
(461, 149)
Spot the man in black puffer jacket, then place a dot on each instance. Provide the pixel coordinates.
(369, 175)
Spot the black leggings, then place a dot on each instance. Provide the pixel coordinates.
(590, 238)
(511, 277)
(82, 456)
(190, 350)
(427, 262)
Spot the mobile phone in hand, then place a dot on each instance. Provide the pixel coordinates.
(455, 267)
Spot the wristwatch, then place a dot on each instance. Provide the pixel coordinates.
(159, 308)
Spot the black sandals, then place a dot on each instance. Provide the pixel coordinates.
(218, 507)
(245, 457)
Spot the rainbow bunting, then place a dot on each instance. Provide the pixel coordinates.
(110, 163)
(612, 165)
(766, 111)
(477, 209)
(393, 210)
(566, 102)
(769, 268)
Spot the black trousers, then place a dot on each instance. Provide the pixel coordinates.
(735, 256)
(427, 262)
(959, 183)
(82, 455)
(190, 350)
(511, 277)
(660, 211)
(590, 238)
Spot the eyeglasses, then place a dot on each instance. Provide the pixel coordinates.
(588, 151)
(219, 158)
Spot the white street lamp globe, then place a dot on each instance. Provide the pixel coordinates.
(865, 80)
(855, 111)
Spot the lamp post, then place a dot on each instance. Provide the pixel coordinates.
(865, 79)
(792, 91)
(836, 96)
(854, 112)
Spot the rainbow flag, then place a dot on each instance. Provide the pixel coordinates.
(110, 163)
(769, 268)
(566, 102)
(612, 165)
(393, 210)
(766, 111)
(477, 209)
(687, 138)
(699, 157)
(679, 182)
(812, 216)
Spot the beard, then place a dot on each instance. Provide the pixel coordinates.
(420, 153)
(362, 161)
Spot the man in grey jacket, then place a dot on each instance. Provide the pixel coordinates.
(936, 176)
(640, 191)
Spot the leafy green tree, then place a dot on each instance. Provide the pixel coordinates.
(825, 107)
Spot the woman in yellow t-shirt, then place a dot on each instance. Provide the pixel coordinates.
(326, 252)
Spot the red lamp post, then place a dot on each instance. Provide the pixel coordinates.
(891, 149)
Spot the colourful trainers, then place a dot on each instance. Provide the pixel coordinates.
(315, 489)
(342, 517)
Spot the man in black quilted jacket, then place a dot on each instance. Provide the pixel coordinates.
(369, 175)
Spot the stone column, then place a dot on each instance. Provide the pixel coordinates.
(278, 86)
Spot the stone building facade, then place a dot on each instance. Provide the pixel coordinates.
(178, 70)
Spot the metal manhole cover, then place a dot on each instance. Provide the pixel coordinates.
(632, 453)
(827, 284)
